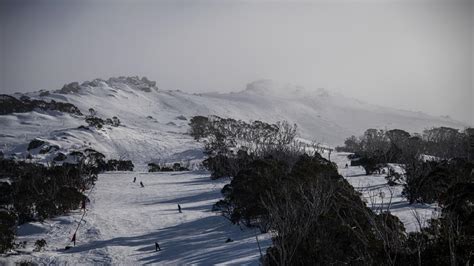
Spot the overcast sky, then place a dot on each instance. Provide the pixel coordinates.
(409, 54)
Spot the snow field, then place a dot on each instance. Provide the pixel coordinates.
(124, 221)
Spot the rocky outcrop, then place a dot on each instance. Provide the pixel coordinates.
(143, 84)
(72, 87)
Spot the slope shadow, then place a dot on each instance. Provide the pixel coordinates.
(198, 241)
(193, 198)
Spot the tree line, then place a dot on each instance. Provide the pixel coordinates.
(432, 161)
(437, 169)
(35, 192)
(316, 217)
(227, 140)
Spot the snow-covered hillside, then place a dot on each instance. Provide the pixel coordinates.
(154, 122)
(123, 222)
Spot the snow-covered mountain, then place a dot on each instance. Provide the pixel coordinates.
(124, 220)
(154, 122)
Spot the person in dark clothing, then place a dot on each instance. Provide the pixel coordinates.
(134, 179)
(347, 165)
(157, 247)
(141, 184)
(179, 208)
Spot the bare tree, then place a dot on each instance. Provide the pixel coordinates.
(292, 215)
(418, 238)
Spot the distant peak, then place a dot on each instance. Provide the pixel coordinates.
(134, 82)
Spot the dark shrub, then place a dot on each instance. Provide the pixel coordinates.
(427, 181)
(95, 122)
(199, 127)
(166, 169)
(9, 104)
(119, 165)
(60, 157)
(40, 244)
(152, 167)
(7, 230)
(36, 143)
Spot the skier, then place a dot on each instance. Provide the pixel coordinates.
(157, 246)
(179, 208)
(347, 165)
(134, 179)
(141, 184)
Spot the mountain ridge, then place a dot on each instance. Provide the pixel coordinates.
(150, 129)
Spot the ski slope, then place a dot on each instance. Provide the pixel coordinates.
(123, 221)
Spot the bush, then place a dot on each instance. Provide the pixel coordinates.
(199, 127)
(152, 167)
(40, 244)
(427, 181)
(95, 122)
(119, 165)
(9, 104)
(60, 157)
(36, 143)
(166, 169)
(7, 230)
(179, 167)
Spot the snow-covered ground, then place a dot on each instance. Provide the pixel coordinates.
(123, 222)
(379, 196)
